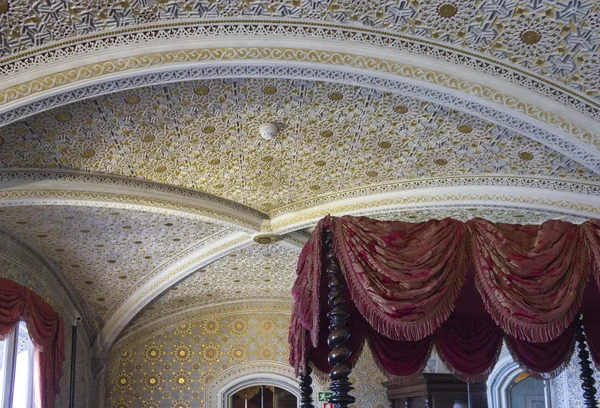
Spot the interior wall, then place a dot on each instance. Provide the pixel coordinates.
(186, 364)
(19, 265)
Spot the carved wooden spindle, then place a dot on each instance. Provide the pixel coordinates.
(339, 356)
(587, 381)
(306, 390)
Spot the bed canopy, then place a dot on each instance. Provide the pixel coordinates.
(463, 287)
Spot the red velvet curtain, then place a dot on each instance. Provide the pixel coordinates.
(463, 287)
(46, 330)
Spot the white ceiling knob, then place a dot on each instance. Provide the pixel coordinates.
(268, 131)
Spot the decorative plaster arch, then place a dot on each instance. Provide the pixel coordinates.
(254, 379)
(148, 329)
(179, 270)
(19, 188)
(505, 371)
(576, 204)
(549, 122)
(256, 370)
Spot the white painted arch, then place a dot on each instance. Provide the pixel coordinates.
(500, 379)
(257, 379)
(499, 101)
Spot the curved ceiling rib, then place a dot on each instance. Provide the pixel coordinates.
(63, 187)
(470, 91)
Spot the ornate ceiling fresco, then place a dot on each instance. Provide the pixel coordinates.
(130, 157)
(255, 272)
(554, 39)
(104, 254)
(204, 135)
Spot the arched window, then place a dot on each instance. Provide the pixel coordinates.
(16, 369)
(263, 396)
(261, 391)
(510, 387)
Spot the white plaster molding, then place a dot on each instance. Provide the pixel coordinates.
(266, 370)
(371, 50)
(148, 328)
(582, 205)
(500, 379)
(76, 188)
(421, 62)
(162, 281)
(291, 385)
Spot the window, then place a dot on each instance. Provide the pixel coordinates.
(263, 396)
(16, 369)
(527, 392)
(510, 387)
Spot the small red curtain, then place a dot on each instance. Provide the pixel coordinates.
(46, 330)
(461, 286)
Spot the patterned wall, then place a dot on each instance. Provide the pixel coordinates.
(174, 368)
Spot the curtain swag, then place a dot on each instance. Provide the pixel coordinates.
(46, 330)
(463, 287)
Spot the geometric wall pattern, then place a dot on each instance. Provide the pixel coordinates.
(172, 367)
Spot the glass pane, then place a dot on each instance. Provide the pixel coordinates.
(263, 396)
(284, 399)
(23, 369)
(527, 392)
(3, 345)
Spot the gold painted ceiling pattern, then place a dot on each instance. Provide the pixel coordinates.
(555, 39)
(101, 252)
(204, 135)
(257, 271)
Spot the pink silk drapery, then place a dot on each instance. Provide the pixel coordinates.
(404, 281)
(46, 331)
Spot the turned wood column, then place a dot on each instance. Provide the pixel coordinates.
(339, 356)
(587, 380)
(306, 390)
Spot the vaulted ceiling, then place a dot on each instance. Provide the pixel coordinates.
(131, 161)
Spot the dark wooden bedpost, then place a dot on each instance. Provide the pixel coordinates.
(306, 390)
(339, 356)
(587, 381)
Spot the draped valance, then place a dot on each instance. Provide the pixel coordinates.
(46, 330)
(463, 287)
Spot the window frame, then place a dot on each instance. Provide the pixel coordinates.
(11, 345)
(500, 380)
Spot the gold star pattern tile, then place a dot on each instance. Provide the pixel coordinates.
(177, 381)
